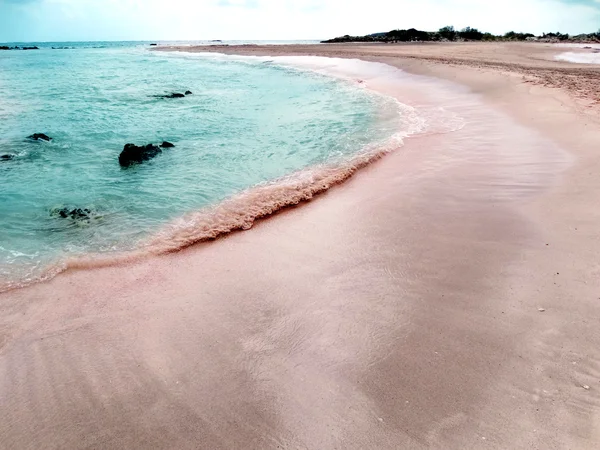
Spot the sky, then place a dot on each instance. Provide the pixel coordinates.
(88, 20)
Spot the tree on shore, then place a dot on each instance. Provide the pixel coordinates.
(448, 33)
(558, 35)
(409, 35)
(471, 34)
(511, 35)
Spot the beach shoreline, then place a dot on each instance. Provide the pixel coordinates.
(444, 297)
(535, 63)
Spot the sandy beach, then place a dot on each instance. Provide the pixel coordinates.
(446, 296)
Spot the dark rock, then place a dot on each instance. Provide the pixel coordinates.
(6, 157)
(5, 47)
(188, 92)
(132, 154)
(39, 137)
(153, 45)
(72, 213)
(173, 95)
(167, 145)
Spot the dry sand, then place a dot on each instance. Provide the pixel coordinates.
(447, 296)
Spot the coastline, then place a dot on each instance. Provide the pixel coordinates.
(533, 63)
(401, 309)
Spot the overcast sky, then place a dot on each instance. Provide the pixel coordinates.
(81, 20)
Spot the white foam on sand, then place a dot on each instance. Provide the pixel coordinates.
(591, 56)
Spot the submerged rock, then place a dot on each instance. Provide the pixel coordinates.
(132, 154)
(167, 145)
(39, 137)
(71, 213)
(6, 157)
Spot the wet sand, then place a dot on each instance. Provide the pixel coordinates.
(446, 296)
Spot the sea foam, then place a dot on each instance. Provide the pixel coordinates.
(590, 56)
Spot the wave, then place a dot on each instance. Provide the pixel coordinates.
(239, 212)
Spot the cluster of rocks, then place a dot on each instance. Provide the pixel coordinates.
(65, 212)
(68, 212)
(33, 137)
(5, 47)
(131, 155)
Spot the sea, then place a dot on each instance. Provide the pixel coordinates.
(254, 135)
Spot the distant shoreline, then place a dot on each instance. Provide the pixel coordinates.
(450, 34)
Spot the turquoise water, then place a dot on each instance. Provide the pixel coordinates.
(247, 122)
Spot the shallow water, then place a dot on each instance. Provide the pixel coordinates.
(246, 123)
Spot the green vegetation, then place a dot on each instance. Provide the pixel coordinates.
(466, 34)
(512, 36)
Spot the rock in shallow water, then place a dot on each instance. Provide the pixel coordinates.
(71, 213)
(166, 144)
(39, 137)
(174, 95)
(6, 157)
(132, 154)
